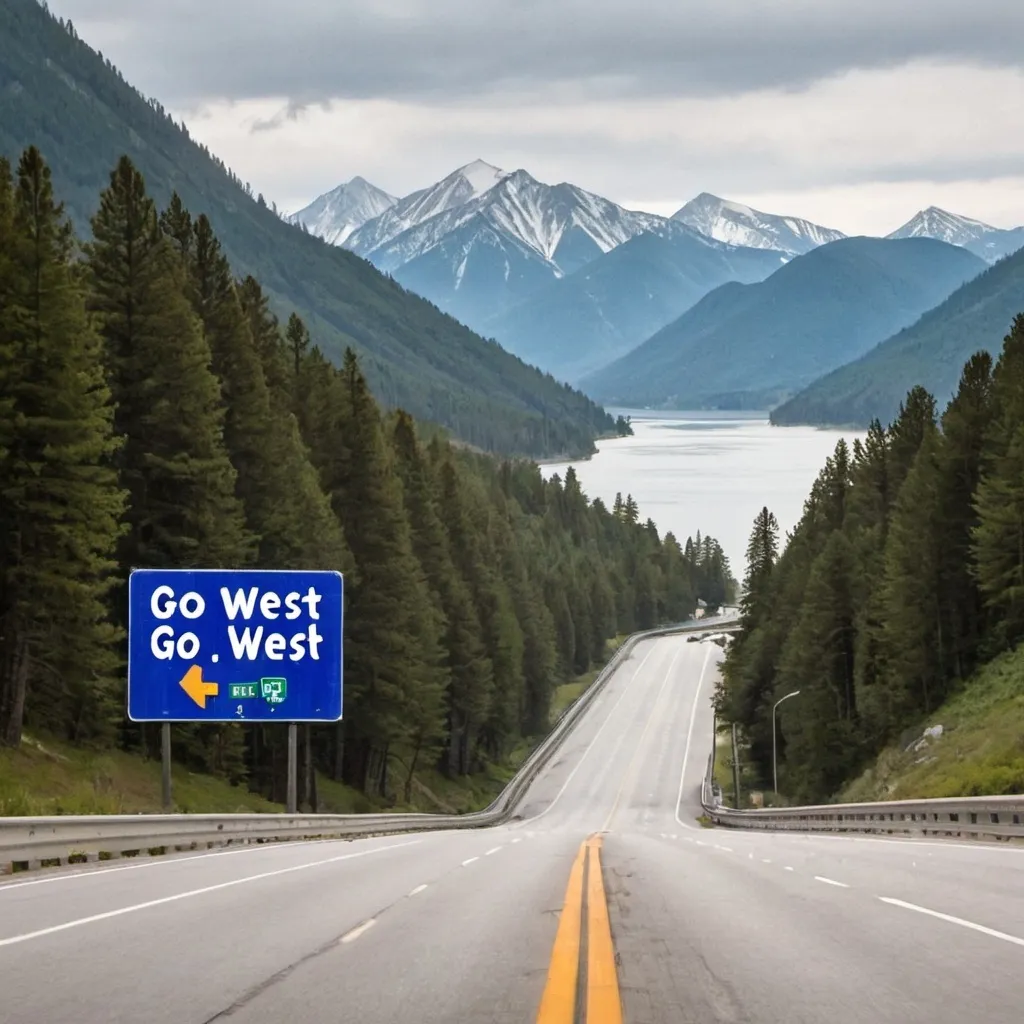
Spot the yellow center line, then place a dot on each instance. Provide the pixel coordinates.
(603, 1003)
(558, 1004)
(601, 1000)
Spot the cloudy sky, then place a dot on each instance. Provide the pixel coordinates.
(854, 113)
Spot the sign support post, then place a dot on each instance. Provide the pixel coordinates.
(293, 763)
(235, 645)
(165, 764)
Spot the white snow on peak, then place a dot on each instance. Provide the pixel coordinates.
(455, 190)
(943, 225)
(481, 176)
(536, 216)
(737, 224)
(336, 214)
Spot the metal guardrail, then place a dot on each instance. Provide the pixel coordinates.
(982, 817)
(32, 841)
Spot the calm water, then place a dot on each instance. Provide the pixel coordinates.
(708, 471)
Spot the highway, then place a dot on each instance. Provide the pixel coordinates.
(604, 901)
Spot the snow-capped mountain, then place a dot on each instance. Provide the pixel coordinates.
(458, 188)
(488, 252)
(982, 239)
(336, 214)
(562, 224)
(737, 224)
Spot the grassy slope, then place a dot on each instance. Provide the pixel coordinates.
(46, 776)
(980, 752)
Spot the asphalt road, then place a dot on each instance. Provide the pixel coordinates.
(654, 920)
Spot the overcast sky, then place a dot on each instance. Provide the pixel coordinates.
(854, 113)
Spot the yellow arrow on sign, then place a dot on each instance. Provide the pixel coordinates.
(192, 683)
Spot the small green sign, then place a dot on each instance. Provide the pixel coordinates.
(273, 690)
(241, 691)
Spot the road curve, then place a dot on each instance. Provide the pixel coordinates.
(603, 901)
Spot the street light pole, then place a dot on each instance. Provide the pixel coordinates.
(775, 761)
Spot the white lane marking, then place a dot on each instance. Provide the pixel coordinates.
(830, 881)
(418, 889)
(155, 862)
(955, 920)
(765, 860)
(699, 843)
(470, 861)
(689, 738)
(727, 849)
(750, 856)
(674, 836)
(787, 868)
(493, 850)
(596, 736)
(940, 844)
(518, 840)
(640, 743)
(356, 932)
(14, 939)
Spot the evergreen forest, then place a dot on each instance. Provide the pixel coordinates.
(904, 575)
(155, 412)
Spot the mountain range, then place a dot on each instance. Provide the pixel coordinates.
(68, 100)
(990, 243)
(737, 224)
(576, 324)
(572, 282)
(930, 352)
(752, 346)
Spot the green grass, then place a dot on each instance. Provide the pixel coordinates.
(980, 752)
(49, 777)
(45, 776)
(568, 692)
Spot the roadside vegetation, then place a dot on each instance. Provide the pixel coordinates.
(154, 412)
(980, 750)
(48, 776)
(897, 604)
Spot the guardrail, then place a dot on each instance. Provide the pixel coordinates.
(982, 817)
(31, 842)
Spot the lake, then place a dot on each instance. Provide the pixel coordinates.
(708, 471)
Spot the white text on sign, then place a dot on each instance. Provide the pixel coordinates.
(247, 643)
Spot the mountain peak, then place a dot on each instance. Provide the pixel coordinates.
(934, 222)
(336, 214)
(738, 224)
(480, 175)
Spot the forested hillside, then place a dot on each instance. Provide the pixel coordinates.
(153, 412)
(929, 352)
(58, 94)
(905, 573)
(751, 346)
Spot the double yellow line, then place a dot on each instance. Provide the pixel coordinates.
(577, 951)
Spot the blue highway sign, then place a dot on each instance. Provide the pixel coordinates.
(234, 645)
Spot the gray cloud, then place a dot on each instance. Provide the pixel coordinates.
(451, 51)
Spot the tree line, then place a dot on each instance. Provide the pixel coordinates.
(155, 413)
(904, 574)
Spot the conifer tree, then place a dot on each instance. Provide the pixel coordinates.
(183, 510)
(61, 504)
(392, 643)
(999, 533)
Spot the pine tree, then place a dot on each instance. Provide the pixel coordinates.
(183, 510)
(965, 424)
(430, 545)
(61, 504)
(999, 501)
(392, 646)
(910, 594)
